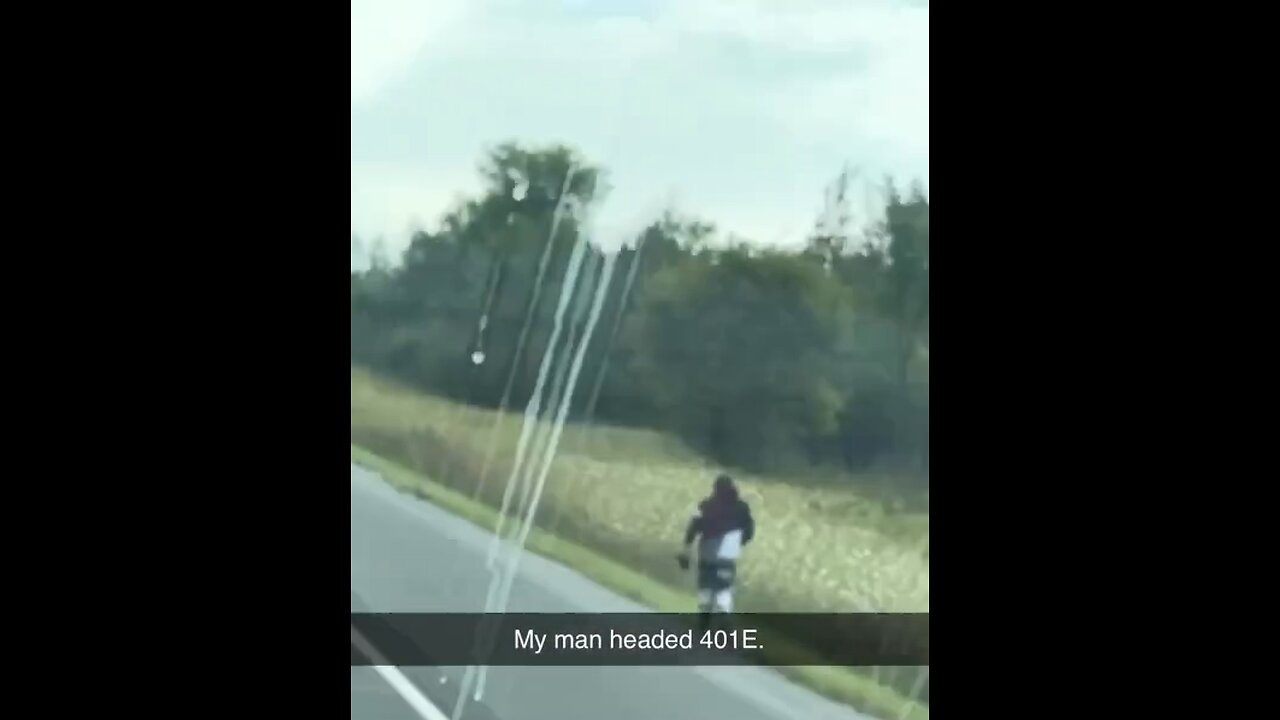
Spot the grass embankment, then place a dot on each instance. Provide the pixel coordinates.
(615, 506)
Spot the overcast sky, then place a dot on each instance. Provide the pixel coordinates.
(741, 110)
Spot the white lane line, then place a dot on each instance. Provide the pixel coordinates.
(396, 679)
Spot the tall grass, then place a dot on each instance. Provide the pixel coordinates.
(628, 493)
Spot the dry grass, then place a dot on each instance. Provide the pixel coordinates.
(628, 493)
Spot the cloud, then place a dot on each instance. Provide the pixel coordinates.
(744, 109)
(386, 36)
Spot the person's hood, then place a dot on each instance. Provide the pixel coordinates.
(724, 493)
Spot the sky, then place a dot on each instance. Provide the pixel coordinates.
(740, 112)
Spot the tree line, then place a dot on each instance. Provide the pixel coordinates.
(770, 360)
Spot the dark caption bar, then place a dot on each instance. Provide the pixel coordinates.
(433, 639)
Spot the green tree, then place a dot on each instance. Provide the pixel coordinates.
(765, 359)
(735, 353)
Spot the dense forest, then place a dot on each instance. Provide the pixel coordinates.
(811, 361)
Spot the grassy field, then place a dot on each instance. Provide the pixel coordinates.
(625, 495)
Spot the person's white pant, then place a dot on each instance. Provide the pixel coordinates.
(716, 600)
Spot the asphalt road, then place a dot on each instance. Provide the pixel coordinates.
(410, 556)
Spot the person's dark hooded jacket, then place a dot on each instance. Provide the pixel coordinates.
(723, 523)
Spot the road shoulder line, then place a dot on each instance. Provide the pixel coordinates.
(397, 680)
